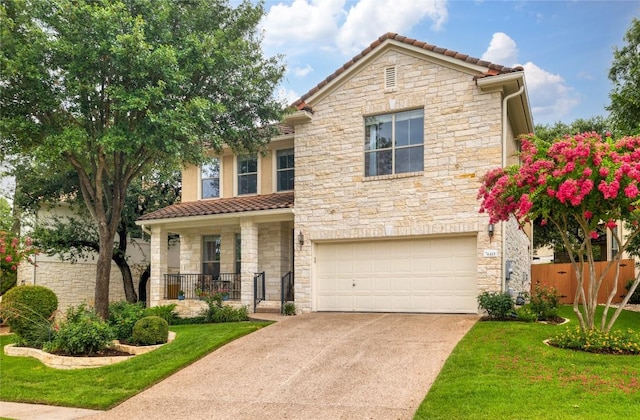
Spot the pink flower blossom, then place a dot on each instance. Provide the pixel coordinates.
(588, 215)
(594, 234)
(604, 171)
(611, 224)
(543, 222)
(8, 258)
(631, 191)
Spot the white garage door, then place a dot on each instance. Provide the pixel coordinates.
(415, 275)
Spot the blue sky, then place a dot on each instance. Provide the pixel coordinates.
(566, 47)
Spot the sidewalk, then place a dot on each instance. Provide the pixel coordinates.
(21, 411)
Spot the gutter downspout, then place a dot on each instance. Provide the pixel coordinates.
(503, 281)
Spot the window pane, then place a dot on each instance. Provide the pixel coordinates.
(210, 188)
(410, 159)
(378, 132)
(247, 164)
(410, 128)
(285, 180)
(378, 163)
(285, 159)
(247, 184)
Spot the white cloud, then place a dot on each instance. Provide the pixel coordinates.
(287, 97)
(302, 22)
(502, 50)
(550, 97)
(369, 19)
(302, 71)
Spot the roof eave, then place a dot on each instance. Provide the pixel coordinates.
(192, 221)
(519, 110)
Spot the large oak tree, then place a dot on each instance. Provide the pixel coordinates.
(115, 87)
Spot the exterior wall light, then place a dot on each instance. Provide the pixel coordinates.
(490, 230)
(300, 239)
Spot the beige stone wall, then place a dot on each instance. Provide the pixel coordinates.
(72, 283)
(517, 250)
(462, 141)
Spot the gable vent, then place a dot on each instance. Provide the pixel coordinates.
(390, 77)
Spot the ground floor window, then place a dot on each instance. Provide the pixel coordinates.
(211, 255)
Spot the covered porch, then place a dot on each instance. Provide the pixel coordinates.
(241, 247)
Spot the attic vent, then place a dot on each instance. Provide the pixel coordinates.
(390, 77)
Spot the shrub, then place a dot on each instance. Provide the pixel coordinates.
(123, 316)
(289, 308)
(498, 305)
(526, 313)
(598, 341)
(82, 332)
(150, 330)
(29, 310)
(544, 302)
(216, 312)
(166, 312)
(635, 297)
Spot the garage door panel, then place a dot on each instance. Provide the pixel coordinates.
(417, 275)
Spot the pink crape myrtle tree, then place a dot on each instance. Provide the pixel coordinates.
(587, 179)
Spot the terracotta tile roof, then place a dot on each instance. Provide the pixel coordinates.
(492, 69)
(223, 206)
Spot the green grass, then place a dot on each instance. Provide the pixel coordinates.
(504, 370)
(25, 379)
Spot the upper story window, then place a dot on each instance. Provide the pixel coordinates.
(394, 143)
(247, 175)
(285, 169)
(211, 179)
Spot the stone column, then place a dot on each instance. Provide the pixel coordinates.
(159, 264)
(249, 233)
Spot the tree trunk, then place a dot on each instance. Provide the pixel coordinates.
(142, 285)
(103, 271)
(120, 258)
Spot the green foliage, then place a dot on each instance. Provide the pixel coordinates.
(635, 297)
(29, 311)
(123, 316)
(289, 308)
(598, 341)
(544, 302)
(82, 332)
(625, 75)
(216, 312)
(6, 219)
(166, 312)
(526, 313)
(150, 330)
(498, 305)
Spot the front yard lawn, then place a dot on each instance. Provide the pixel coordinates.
(504, 370)
(25, 379)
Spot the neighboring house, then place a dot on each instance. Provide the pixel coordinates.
(387, 154)
(74, 283)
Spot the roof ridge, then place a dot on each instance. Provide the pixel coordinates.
(493, 69)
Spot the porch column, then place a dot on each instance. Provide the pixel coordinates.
(249, 234)
(159, 264)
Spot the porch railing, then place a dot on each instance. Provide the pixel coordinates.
(286, 290)
(258, 289)
(195, 286)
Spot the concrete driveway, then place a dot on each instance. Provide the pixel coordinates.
(311, 366)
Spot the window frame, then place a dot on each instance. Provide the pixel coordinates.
(279, 170)
(246, 174)
(372, 146)
(203, 179)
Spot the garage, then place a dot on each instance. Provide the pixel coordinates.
(406, 275)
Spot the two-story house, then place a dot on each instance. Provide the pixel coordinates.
(367, 198)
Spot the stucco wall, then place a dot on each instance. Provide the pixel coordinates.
(462, 141)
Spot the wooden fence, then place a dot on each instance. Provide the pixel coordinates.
(563, 278)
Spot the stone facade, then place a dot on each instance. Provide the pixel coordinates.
(462, 141)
